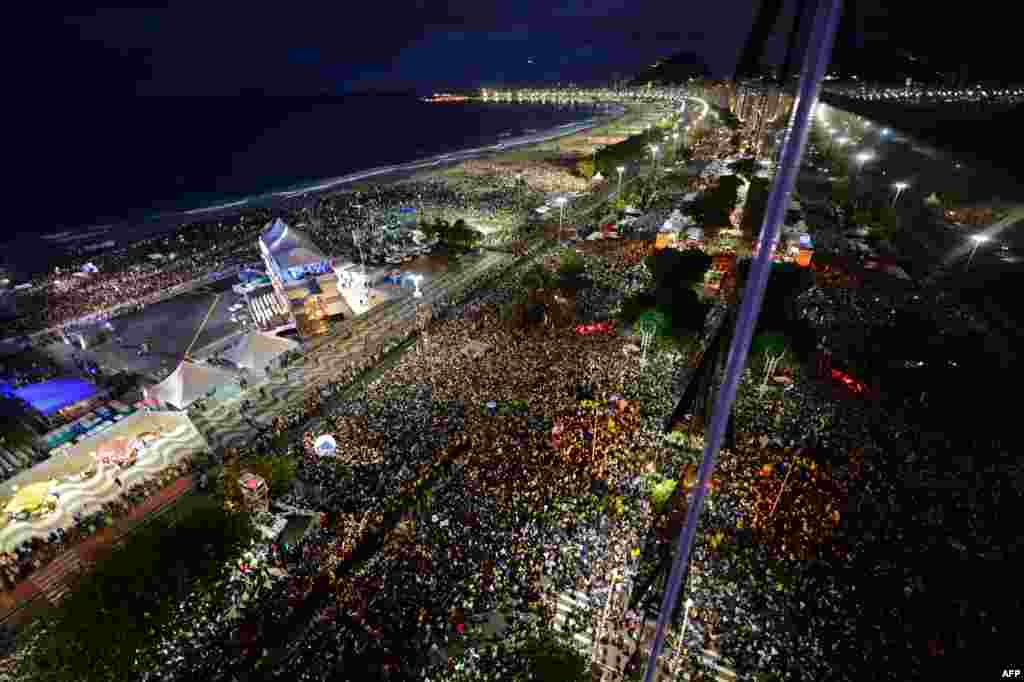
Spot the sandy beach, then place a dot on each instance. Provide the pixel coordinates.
(548, 149)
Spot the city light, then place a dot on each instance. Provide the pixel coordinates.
(978, 239)
(899, 187)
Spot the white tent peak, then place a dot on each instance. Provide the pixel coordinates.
(189, 382)
(255, 350)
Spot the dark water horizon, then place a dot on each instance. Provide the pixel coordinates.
(99, 171)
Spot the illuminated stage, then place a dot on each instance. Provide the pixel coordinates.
(49, 397)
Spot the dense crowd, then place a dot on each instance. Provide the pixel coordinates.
(478, 540)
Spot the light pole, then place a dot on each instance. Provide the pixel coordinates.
(654, 157)
(682, 634)
(621, 170)
(899, 186)
(861, 158)
(561, 214)
(979, 239)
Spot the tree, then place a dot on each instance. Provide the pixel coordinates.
(746, 167)
(754, 209)
(586, 167)
(537, 277)
(841, 195)
(277, 470)
(772, 343)
(671, 266)
(572, 271)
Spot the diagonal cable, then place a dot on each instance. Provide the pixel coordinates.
(815, 62)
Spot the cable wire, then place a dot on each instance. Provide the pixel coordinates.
(815, 62)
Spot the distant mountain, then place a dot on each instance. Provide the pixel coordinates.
(673, 70)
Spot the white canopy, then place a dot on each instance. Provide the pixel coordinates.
(256, 350)
(325, 445)
(188, 383)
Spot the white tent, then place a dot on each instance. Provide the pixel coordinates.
(188, 383)
(256, 350)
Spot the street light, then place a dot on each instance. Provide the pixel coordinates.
(561, 213)
(416, 283)
(654, 157)
(899, 186)
(979, 239)
(862, 158)
(621, 169)
(682, 634)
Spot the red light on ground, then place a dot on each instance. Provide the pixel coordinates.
(848, 381)
(588, 329)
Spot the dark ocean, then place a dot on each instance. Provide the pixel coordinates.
(123, 162)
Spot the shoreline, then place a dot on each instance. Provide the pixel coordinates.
(420, 169)
(167, 224)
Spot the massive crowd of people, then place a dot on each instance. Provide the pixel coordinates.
(518, 461)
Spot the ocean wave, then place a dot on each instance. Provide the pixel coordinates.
(322, 185)
(218, 207)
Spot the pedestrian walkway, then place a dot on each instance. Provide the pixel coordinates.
(54, 581)
(620, 642)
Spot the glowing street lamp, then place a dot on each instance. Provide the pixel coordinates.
(979, 239)
(899, 186)
(682, 634)
(621, 170)
(862, 158)
(561, 201)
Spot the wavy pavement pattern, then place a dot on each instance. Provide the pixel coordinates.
(92, 493)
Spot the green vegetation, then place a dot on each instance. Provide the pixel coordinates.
(661, 493)
(572, 271)
(771, 343)
(672, 302)
(586, 167)
(726, 117)
(550, 657)
(746, 167)
(457, 236)
(630, 149)
(109, 626)
(538, 277)
(882, 221)
(714, 208)
(278, 471)
(757, 204)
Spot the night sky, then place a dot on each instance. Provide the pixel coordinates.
(311, 48)
(281, 48)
